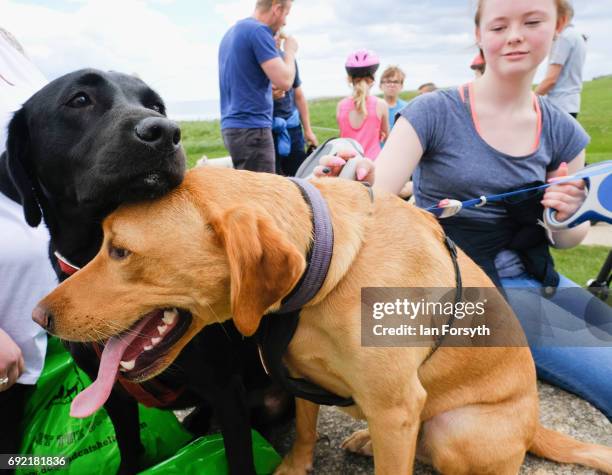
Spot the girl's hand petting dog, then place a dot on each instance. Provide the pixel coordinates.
(332, 165)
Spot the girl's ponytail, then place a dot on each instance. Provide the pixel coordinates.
(361, 88)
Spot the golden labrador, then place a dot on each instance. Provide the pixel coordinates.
(231, 244)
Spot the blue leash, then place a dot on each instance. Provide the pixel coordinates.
(597, 205)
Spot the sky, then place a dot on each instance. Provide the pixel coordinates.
(172, 44)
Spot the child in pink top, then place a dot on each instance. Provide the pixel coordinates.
(363, 117)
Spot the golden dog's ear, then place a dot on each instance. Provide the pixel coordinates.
(264, 264)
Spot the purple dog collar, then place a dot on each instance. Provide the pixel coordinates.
(320, 254)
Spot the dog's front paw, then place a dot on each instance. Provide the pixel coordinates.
(359, 443)
(295, 463)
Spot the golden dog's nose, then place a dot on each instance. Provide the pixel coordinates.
(42, 316)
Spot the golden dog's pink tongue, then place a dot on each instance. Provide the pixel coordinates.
(94, 396)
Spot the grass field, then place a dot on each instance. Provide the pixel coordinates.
(579, 264)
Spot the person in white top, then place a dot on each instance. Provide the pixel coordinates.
(26, 274)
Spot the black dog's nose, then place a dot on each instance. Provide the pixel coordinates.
(160, 133)
(43, 317)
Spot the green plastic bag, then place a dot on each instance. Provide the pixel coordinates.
(88, 443)
(206, 455)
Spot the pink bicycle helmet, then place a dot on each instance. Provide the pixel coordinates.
(362, 63)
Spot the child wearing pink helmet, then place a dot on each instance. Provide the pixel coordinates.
(361, 116)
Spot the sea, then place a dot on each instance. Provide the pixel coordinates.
(206, 109)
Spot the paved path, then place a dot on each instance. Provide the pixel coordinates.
(600, 234)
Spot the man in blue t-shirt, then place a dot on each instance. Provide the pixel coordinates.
(249, 64)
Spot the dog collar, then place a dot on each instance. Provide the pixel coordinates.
(319, 256)
(65, 265)
(277, 329)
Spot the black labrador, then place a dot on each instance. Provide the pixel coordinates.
(81, 146)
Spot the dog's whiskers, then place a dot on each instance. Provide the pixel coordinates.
(100, 336)
(95, 334)
(119, 330)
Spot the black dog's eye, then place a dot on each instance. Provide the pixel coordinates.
(158, 108)
(79, 100)
(118, 253)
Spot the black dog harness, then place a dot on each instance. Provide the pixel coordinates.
(277, 329)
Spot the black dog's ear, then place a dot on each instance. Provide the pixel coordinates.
(17, 149)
